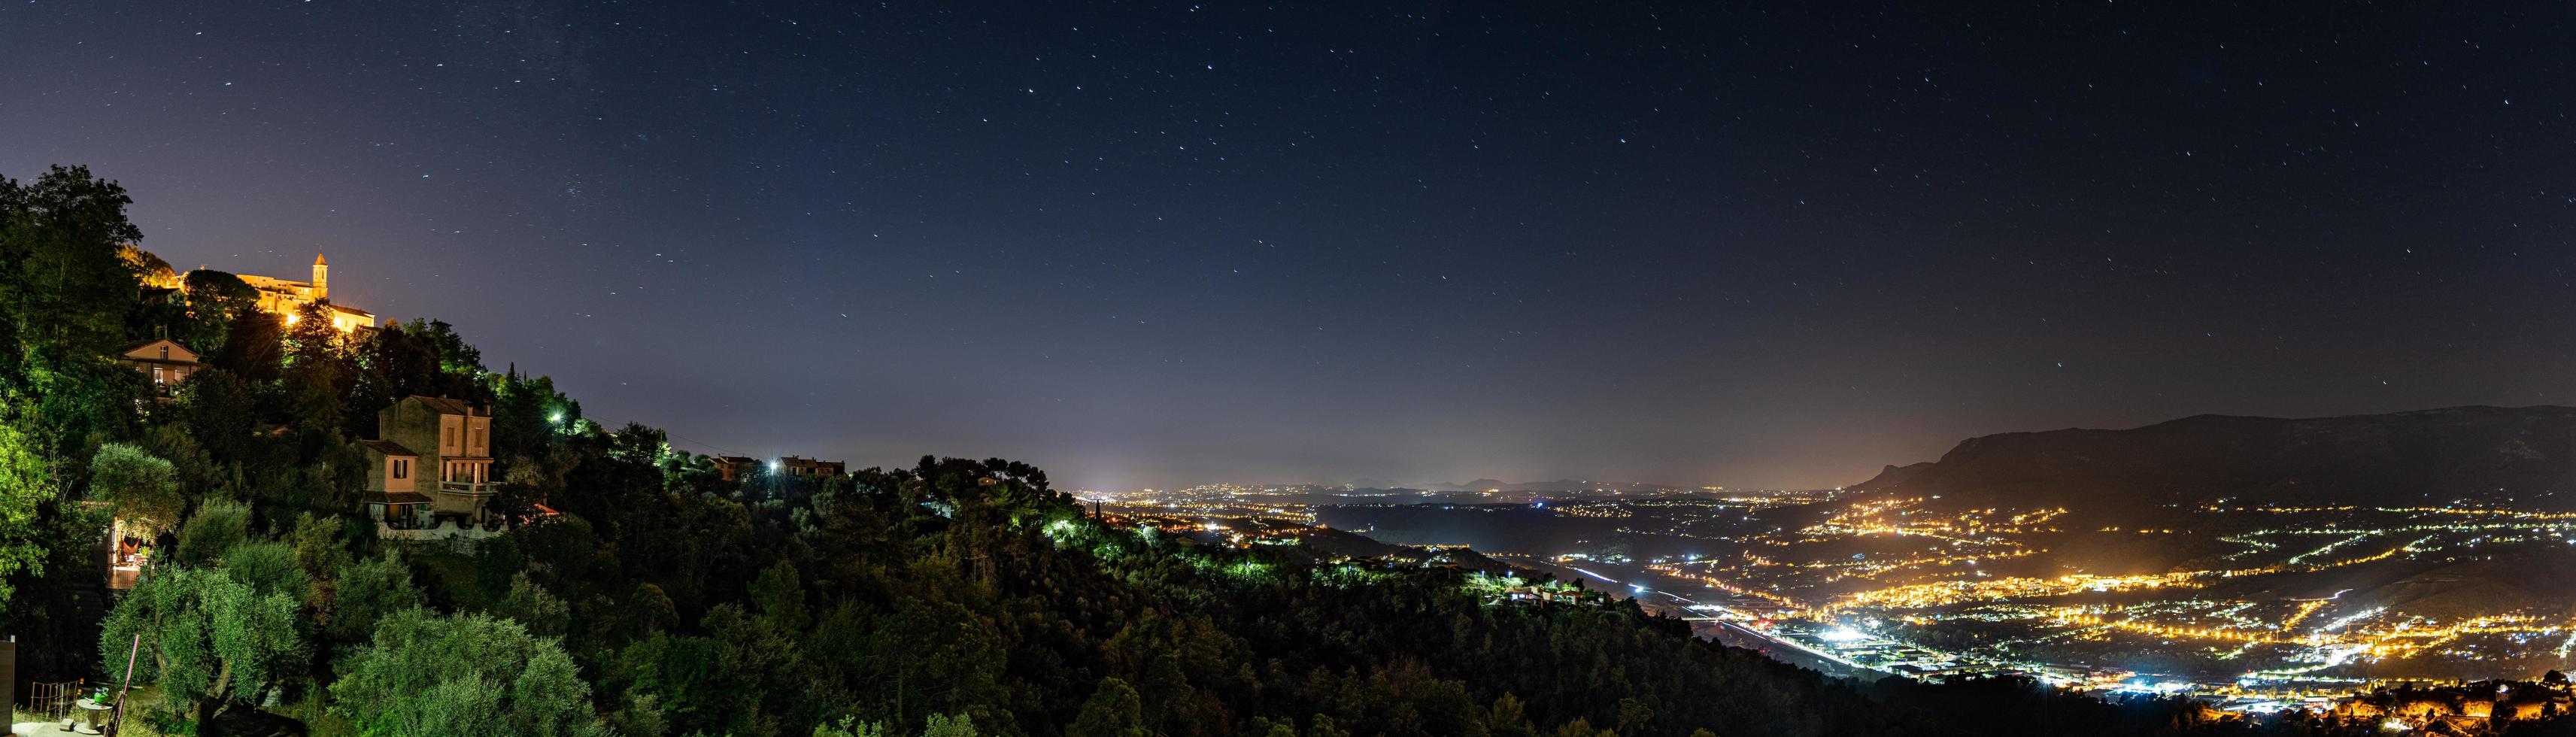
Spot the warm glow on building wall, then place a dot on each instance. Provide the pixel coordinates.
(282, 297)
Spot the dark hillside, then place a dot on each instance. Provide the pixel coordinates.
(2527, 454)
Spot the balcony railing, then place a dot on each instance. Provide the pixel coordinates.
(468, 487)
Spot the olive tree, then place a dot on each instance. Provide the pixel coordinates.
(426, 674)
(144, 489)
(207, 639)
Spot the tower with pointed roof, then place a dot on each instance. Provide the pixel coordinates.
(321, 278)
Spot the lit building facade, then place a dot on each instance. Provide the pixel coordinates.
(282, 297)
(734, 468)
(164, 361)
(439, 451)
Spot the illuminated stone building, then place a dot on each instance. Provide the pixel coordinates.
(283, 297)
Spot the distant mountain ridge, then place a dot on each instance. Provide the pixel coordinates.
(2399, 459)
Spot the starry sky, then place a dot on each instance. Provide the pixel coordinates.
(1158, 244)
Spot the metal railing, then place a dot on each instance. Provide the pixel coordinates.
(53, 701)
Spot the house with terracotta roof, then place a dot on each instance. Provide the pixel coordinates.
(435, 460)
(810, 468)
(732, 468)
(393, 486)
(162, 360)
(735, 468)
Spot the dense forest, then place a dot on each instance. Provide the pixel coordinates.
(638, 592)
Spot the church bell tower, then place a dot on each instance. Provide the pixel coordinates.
(321, 278)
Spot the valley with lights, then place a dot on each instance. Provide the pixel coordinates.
(2260, 604)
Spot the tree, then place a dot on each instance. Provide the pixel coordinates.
(25, 487)
(144, 489)
(426, 674)
(147, 267)
(318, 551)
(1507, 718)
(78, 395)
(253, 348)
(1581, 727)
(1634, 716)
(62, 283)
(780, 596)
(942, 725)
(391, 364)
(532, 607)
(316, 367)
(268, 567)
(370, 590)
(171, 442)
(1113, 710)
(208, 640)
(455, 356)
(221, 411)
(216, 300)
(218, 526)
(850, 727)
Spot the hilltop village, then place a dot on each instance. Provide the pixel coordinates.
(430, 464)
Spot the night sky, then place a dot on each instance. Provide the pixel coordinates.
(1161, 244)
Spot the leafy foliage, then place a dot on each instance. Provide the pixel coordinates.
(427, 674)
(66, 290)
(25, 488)
(144, 489)
(216, 300)
(218, 526)
(206, 638)
(369, 591)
